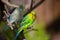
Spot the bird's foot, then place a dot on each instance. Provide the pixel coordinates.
(31, 28)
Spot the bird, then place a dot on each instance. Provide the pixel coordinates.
(14, 16)
(27, 21)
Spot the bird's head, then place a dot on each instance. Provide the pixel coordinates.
(33, 13)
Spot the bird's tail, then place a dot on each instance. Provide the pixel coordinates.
(18, 32)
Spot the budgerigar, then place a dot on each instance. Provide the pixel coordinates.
(26, 22)
(14, 16)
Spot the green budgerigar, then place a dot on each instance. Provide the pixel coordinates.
(26, 22)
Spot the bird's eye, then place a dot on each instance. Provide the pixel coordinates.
(33, 13)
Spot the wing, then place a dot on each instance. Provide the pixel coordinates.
(14, 16)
